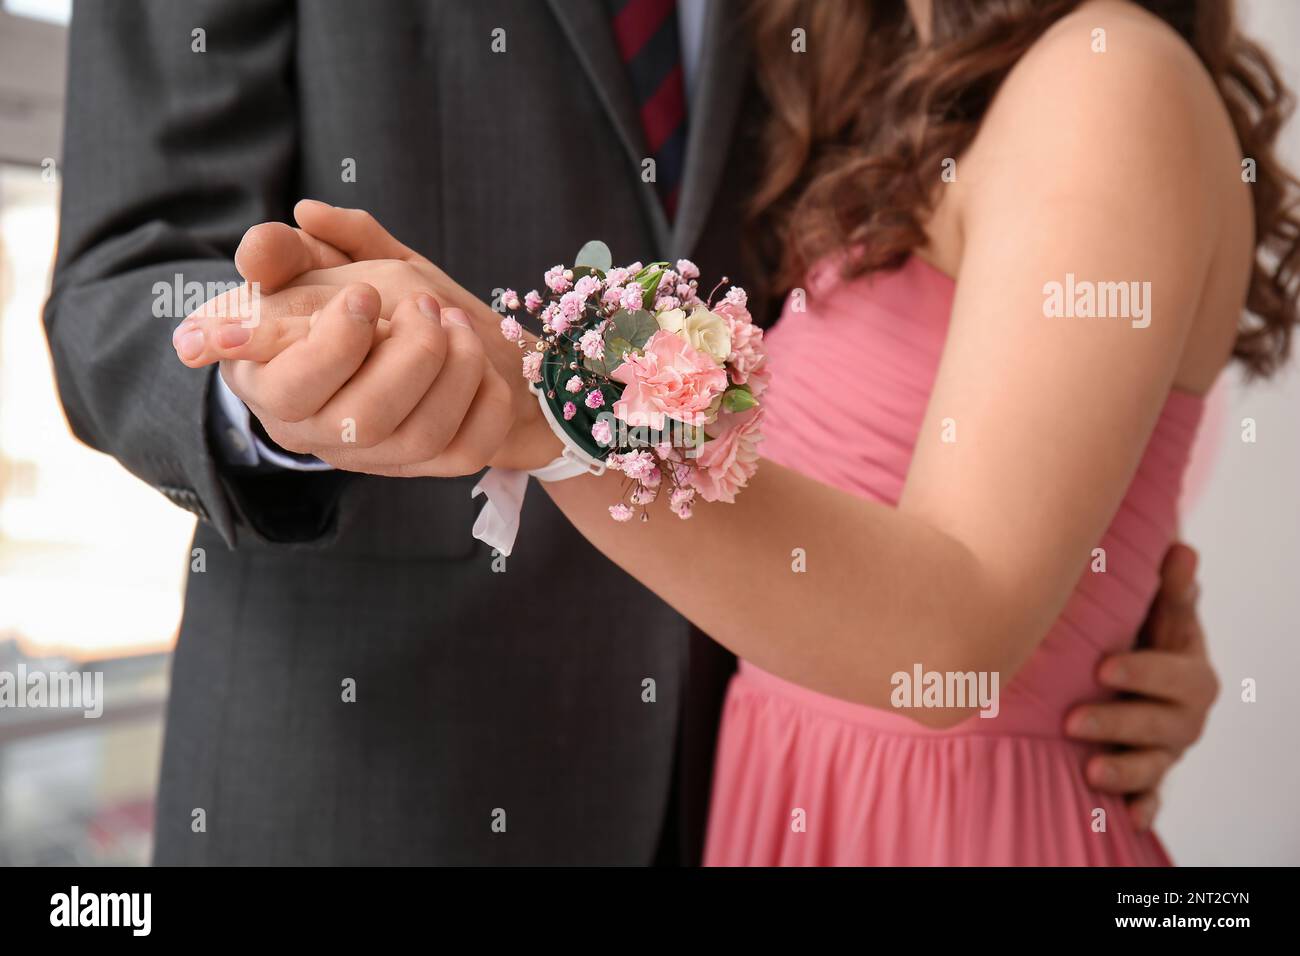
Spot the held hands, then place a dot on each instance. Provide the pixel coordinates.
(381, 365)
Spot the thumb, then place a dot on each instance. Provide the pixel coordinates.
(1174, 624)
(273, 254)
(354, 232)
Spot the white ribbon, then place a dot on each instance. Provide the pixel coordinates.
(497, 524)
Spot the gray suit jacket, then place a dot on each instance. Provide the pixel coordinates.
(476, 691)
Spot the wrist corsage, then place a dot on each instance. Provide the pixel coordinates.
(636, 373)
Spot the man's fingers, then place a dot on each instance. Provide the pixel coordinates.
(354, 232)
(1142, 810)
(1130, 772)
(1178, 571)
(1175, 626)
(383, 391)
(305, 375)
(1178, 676)
(1133, 723)
(273, 254)
(1172, 623)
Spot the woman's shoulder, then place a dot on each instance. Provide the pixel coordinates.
(1108, 105)
(1132, 35)
(1110, 130)
(1112, 77)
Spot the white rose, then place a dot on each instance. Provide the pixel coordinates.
(702, 329)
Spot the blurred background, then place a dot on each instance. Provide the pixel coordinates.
(93, 562)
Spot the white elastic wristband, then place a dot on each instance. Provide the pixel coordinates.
(497, 525)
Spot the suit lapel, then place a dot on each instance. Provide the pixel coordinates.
(720, 81)
(586, 26)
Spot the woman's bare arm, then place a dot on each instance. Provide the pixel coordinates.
(1050, 415)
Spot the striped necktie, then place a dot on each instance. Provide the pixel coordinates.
(645, 32)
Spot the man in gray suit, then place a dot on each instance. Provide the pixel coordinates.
(355, 681)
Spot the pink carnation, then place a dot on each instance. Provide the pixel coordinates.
(687, 269)
(586, 286)
(570, 410)
(510, 299)
(533, 302)
(595, 398)
(621, 512)
(574, 384)
(726, 462)
(669, 378)
(602, 432)
(747, 360)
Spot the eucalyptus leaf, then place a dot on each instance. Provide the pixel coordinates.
(594, 255)
(615, 348)
(636, 327)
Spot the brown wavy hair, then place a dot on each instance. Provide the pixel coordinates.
(855, 136)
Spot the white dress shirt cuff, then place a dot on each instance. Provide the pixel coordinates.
(237, 443)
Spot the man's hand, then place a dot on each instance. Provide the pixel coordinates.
(1169, 687)
(277, 256)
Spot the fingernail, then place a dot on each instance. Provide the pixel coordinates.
(456, 316)
(1113, 674)
(361, 304)
(1083, 725)
(233, 336)
(181, 330)
(427, 306)
(190, 345)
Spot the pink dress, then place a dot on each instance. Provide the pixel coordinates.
(874, 787)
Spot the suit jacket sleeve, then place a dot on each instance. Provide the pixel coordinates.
(175, 143)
